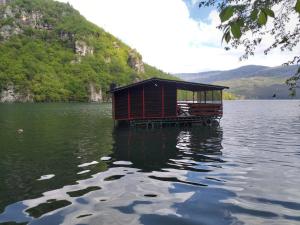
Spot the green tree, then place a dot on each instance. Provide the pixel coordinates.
(42, 60)
(246, 23)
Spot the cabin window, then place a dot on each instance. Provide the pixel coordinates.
(187, 96)
(201, 97)
(209, 97)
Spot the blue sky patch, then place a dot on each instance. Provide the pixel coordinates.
(197, 13)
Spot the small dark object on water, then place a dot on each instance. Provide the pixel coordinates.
(20, 131)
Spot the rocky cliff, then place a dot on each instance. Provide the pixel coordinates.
(9, 94)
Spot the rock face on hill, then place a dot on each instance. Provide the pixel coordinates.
(95, 95)
(9, 94)
(3, 2)
(135, 62)
(49, 52)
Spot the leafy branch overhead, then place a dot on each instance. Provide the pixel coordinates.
(235, 24)
(246, 23)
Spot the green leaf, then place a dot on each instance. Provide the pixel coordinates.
(254, 14)
(262, 18)
(227, 37)
(240, 22)
(297, 6)
(226, 13)
(269, 12)
(236, 30)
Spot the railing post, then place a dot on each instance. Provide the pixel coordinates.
(128, 103)
(113, 106)
(221, 96)
(162, 101)
(143, 97)
(193, 96)
(176, 102)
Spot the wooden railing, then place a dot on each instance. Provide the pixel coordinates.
(183, 108)
(199, 109)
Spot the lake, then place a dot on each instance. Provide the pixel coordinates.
(71, 166)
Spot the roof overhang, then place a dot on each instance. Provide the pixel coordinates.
(180, 85)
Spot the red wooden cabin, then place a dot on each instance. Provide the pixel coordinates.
(156, 99)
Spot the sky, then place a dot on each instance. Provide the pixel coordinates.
(173, 35)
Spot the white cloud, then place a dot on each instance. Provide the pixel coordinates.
(166, 36)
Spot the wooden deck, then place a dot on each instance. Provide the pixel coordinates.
(187, 121)
(188, 114)
(200, 109)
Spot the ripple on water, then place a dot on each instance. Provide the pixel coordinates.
(105, 158)
(114, 177)
(46, 177)
(122, 163)
(46, 207)
(83, 215)
(245, 172)
(82, 192)
(150, 195)
(176, 180)
(88, 164)
(83, 172)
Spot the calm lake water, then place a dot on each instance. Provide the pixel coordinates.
(71, 166)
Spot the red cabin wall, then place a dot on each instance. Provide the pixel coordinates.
(170, 101)
(136, 102)
(152, 100)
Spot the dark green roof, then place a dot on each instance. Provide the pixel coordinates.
(183, 85)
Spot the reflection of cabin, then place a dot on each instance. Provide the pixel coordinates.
(159, 101)
(152, 151)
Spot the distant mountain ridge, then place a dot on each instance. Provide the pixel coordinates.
(250, 82)
(241, 72)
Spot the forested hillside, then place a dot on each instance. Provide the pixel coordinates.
(49, 52)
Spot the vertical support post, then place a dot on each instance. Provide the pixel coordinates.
(221, 94)
(162, 101)
(186, 96)
(205, 97)
(212, 96)
(193, 96)
(143, 97)
(176, 101)
(221, 102)
(199, 96)
(113, 106)
(128, 104)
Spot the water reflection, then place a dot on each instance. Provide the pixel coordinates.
(148, 169)
(158, 149)
(248, 174)
(182, 160)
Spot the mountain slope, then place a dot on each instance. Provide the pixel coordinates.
(212, 76)
(49, 52)
(250, 82)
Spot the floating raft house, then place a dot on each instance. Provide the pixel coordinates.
(160, 102)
